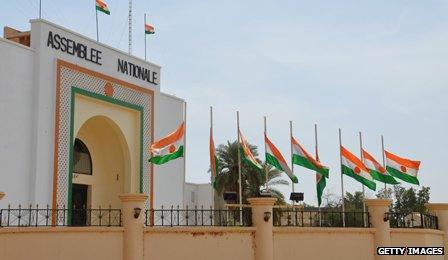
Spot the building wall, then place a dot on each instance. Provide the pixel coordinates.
(324, 243)
(199, 243)
(16, 116)
(87, 243)
(198, 195)
(169, 178)
(417, 237)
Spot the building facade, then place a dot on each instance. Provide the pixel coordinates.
(78, 118)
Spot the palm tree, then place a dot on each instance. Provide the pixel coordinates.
(252, 179)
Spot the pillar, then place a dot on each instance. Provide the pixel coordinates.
(441, 211)
(133, 227)
(377, 209)
(264, 239)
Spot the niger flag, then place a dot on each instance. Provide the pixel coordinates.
(402, 168)
(170, 147)
(353, 167)
(101, 6)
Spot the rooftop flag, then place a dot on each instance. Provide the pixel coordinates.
(170, 147)
(248, 157)
(275, 158)
(377, 170)
(402, 168)
(353, 167)
(102, 7)
(149, 29)
(304, 159)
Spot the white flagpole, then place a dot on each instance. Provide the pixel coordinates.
(384, 158)
(265, 150)
(292, 153)
(40, 9)
(212, 168)
(316, 144)
(363, 188)
(96, 15)
(240, 188)
(185, 145)
(130, 27)
(342, 179)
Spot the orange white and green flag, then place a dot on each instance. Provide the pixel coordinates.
(248, 157)
(149, 29)
(275, 158)
(320, 184)
(377, 170)
(213, 160)
(304, 159)
(353, 167)
(170, 147)
(102, 6)
(402, 168)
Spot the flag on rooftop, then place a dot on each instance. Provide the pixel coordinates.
(275, 158)
(149, 29)
(304, 159)
(377, 170)
(353, 167)
(170, 147)
(402, 168)
(248, 157)
(102, 6)
(320, 184)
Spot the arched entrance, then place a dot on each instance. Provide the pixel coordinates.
(101, 166)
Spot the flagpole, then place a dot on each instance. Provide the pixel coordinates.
(146, 47)
(342, 179)
(363, 188)
(130, 27)
(97, 34)
(316, 144)
(292, 153)
(212, 167)
(265, 151)
(384, 158)
(185, 145)
(240, 189)
(40, 9)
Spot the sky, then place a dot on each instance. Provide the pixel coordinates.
(379, 67)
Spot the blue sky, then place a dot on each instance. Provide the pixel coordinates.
(373, 66)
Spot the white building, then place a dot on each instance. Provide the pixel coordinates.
(199, 195)
(77, 121)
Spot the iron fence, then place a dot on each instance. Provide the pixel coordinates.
(285, 217)
(412, 220)
(60, 216)
(198, 217)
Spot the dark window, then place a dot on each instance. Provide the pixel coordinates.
(82, 162)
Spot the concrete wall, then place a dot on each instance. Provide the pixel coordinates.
(198, 195)
(199, 243)
(61, 243)
(16, 116)
(169, 178)
(417, 237)
(324, 243)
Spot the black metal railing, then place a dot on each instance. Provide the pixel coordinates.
(412, 220)
(60, 216)
(198, 217)
(286, 217)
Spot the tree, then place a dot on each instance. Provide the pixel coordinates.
(252, 179)
(354, 202)
(409, 200)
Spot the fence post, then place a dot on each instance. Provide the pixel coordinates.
(377, 209)
(133, 225)
(441, 211)
(264, 238)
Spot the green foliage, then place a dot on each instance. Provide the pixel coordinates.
(410, 200)
(354, 202)
(252, 180)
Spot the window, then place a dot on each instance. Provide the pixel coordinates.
(82, 162)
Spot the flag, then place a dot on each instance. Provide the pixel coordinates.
(402, 168)
(376, 170)
(213, 160)
(275, 158)
(320, 184)
(353, 167)
(248, 157)
(302, 158)
(149, 29)
(102, 6)
(170, 147)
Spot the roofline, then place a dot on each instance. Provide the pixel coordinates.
(172, 96)
(92, 40)
(16, 44)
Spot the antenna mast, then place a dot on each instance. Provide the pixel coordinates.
(130, 27)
